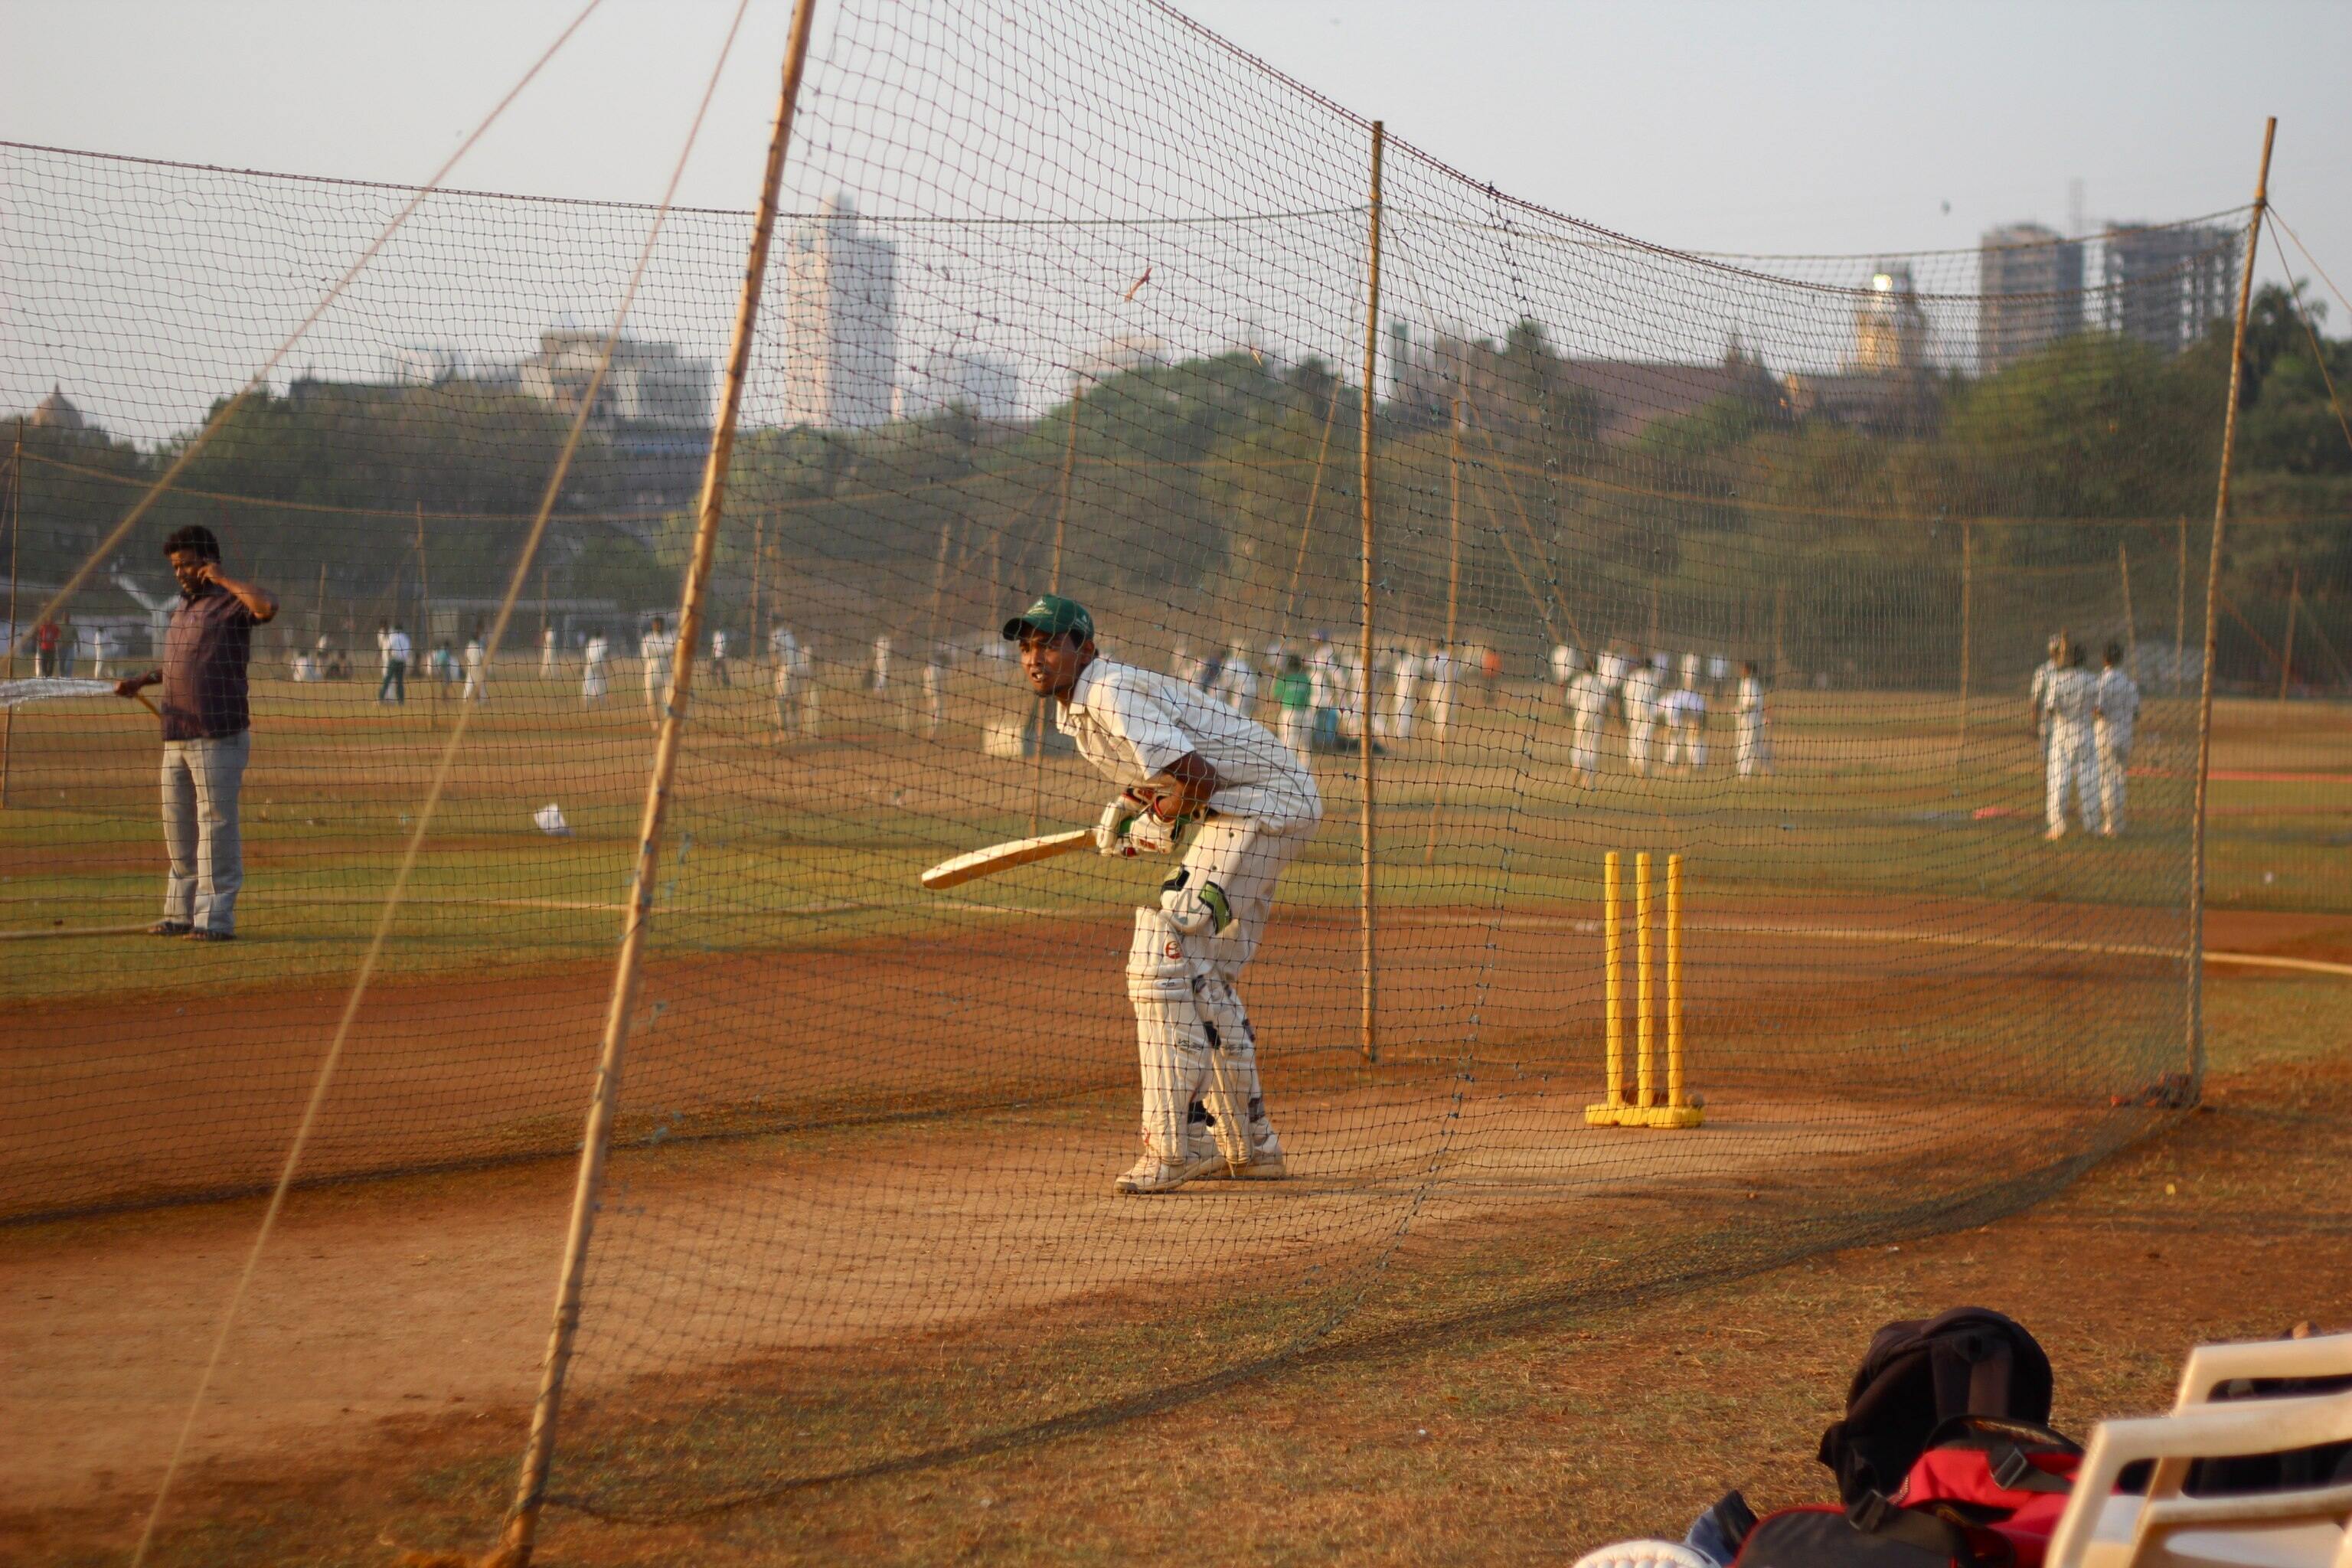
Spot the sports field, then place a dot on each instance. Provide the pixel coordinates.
(802, 980)
(862, 1169)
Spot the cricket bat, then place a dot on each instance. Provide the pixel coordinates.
(1005, 856)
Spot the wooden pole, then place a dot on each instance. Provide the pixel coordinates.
(424, 611)
(1452, 599)
(2287, 656)
(759, 558)
(1368, 915)
(1062, 510)
(2180, 609)
(15, 632)
(1053, 585)
(318, 615)
(1307, 523)
(1535, 543)
(2212, 608)
(1968, 631)
(2131, 622)
(938, 583)
(932, 661)
(530, 1493)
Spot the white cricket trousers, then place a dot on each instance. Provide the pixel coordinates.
(2113, 743)
(1585, 751)
(1638, 735)
(2073, 764)
(1245, 858)
(1233, 863)
(200, 781)
(1754, 754)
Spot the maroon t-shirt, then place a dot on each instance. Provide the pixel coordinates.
(204, 655)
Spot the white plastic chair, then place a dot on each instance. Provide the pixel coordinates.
(2209, 1366)
(2300, 1528)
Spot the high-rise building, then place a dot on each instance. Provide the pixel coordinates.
(2166, 286)
(2030, 293)
(841, 334)
(648, 385)
(982, 385)
(1890, 330)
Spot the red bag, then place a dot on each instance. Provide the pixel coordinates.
(1987, 1493)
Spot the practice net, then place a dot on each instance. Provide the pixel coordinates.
(1072, 296)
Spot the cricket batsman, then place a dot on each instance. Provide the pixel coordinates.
(1192, 773)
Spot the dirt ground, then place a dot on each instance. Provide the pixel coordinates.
(426, 1291)
(1522, 1433)
(106, 1108)
(381, 1298)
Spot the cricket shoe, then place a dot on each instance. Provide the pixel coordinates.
(1265, 1161)
(1151, 1173)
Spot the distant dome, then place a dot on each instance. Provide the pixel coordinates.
(57, 412)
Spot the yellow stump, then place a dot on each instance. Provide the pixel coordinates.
(1646, 981)
(1611, 1110)
(1676, 1110)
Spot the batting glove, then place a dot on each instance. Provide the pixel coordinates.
(1150, 835)
(1111, 834)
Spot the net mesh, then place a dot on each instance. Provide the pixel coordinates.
(1071, 296)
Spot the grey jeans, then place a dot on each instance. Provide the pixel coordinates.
(201, 779)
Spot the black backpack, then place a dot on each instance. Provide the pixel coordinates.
(1920, 1373)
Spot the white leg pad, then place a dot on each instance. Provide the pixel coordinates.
(1171, 1045)
(1236, 1097)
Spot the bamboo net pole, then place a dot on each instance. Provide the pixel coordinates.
(2196, 864)
(1053, 585)
(530, 1492)
(1535, 542)
(2286, 655)
(2180, 610)
(1453, 604)
(424, 611)
(2131, 621)
(15, 533)
(1369, 912)
(1968, 635)
(1307, 523)
(758, 559)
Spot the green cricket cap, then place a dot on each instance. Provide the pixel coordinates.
(1052, 614)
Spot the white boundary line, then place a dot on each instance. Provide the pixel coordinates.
(1579, 925)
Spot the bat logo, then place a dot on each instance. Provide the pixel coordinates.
(1174, 949)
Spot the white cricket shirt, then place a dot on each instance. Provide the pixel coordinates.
(2114, 698)
(2068, 697)
(1135, 724)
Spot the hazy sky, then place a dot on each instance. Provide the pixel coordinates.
(1742, 127)
(1824, 126)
